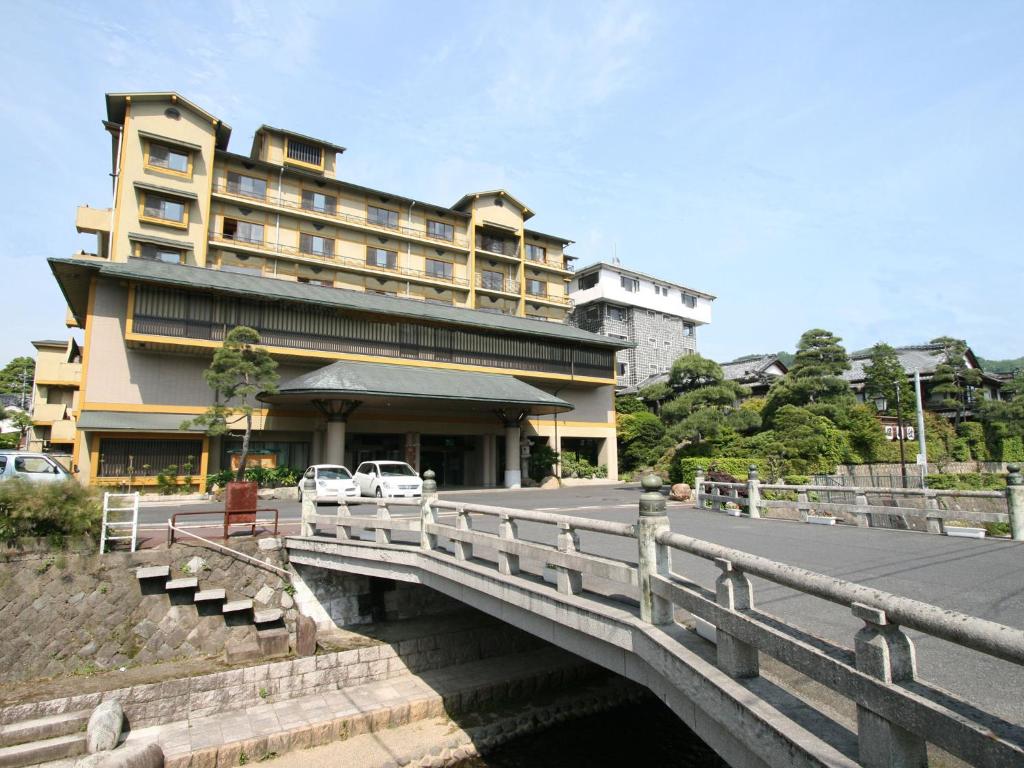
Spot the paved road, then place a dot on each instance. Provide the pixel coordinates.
(982, 578)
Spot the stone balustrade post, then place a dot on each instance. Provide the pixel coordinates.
(733, 591)
(382, 535)
(884, 652)
(342, 528)
(753, 493)
(716, 501)
(570, 582)
(803, 504)
(653, 557)
(508, 530)
(936, 523)
(1015, 501)
(308, 522)
(428, 515)
(698, 488)
(463, 549)
(861, 515)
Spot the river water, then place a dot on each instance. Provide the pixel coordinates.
(640, 734)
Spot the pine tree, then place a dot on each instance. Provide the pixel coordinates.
(884, 375)
(815, 376)
(240, 370)
(953, 380)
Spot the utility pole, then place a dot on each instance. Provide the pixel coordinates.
(922, 443)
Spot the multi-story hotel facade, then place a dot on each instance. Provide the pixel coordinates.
(657, 319)
(55, 397)
(403, 329)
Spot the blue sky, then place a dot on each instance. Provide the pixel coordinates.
(856, 166)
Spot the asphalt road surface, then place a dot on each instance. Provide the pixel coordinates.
(983, 578)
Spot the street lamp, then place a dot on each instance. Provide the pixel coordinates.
(881, 404)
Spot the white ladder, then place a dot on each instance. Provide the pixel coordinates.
(114, 503)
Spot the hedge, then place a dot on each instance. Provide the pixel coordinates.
(1012, 449)
(684, 468)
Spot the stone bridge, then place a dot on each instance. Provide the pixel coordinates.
(762, 692)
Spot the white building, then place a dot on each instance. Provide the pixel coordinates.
(660, 317)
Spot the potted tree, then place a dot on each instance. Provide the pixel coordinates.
(239, 371)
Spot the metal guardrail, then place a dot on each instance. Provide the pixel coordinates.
(897, 713)
(172, 529)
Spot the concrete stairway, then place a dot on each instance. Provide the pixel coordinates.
(45, 739)
(271, 634)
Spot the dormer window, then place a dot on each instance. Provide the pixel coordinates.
(304, 153)
(169, 159)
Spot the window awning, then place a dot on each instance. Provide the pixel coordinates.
(117, 421)
(414, 386)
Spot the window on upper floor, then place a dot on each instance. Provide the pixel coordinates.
(159, 253)
(494, 281)
(623, 369)
(319, 202)
(440, 230)
(687, 329)
(688, 299)
(248, 186)
(316, 245)
(382, 217)
(242, 231)
(617, 313)
(630, 284)
(617, 336)
(593, 313)
(536, 287)
(311, 281)
(165, 158)
(301, 152)
(380, 257)
(535, 252)
(439, 268)
(163, 209)
(587, 281)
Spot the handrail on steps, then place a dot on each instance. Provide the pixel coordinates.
(172, 528)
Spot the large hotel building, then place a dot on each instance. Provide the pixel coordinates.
(403, 329)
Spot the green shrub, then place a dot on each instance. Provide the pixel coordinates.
(1011, 449)
(52, 510)
(578, 466)
(974, 434)
(542, 460)
(220, 479)
(797, 479)
(968, 481)
(684, 468)
(167, 479)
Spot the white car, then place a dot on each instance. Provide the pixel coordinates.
(327, 482)
(34, 467)
(388, 479)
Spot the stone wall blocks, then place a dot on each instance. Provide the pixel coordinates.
(256, 674)
(228, 755)
(204, 758)
(304, 665)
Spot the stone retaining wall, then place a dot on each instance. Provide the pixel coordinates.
(66, 613)
(205, 695)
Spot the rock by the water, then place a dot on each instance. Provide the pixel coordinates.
(104, 729)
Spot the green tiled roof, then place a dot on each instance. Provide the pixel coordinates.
(69, 273)
(116, 421)
(376, 382)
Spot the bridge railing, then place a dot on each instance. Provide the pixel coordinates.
(897, 713)
(817, 503)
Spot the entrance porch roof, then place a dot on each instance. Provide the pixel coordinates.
(416, 387)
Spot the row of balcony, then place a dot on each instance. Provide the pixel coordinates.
(486, 282)
(505, 249)
(59, 373)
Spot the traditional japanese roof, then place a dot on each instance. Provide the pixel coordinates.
(380, 383)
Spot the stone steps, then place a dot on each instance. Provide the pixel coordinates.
(44, 728)
(42, 751)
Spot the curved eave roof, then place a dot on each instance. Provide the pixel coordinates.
(381, 383)
(73, 276)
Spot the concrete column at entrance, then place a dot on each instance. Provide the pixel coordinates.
(513, 477)
(334, 448)
(609, 456)
(412, 450)
(487, 452)
(316, 446)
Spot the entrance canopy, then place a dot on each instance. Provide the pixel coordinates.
(415, 387)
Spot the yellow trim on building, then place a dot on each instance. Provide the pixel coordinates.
(146, 149)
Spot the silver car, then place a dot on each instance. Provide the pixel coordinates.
(37, 467)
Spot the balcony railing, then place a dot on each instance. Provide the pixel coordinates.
(550, 262)
(68, 374)
(549, 297)
(341, 262)
(46, 413)
(498, 285)
(272, 199)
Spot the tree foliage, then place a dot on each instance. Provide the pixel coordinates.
(16, 377)
(240, 370)
(884, 377)
(953, 378)
(1003, 420)
(815, 376)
